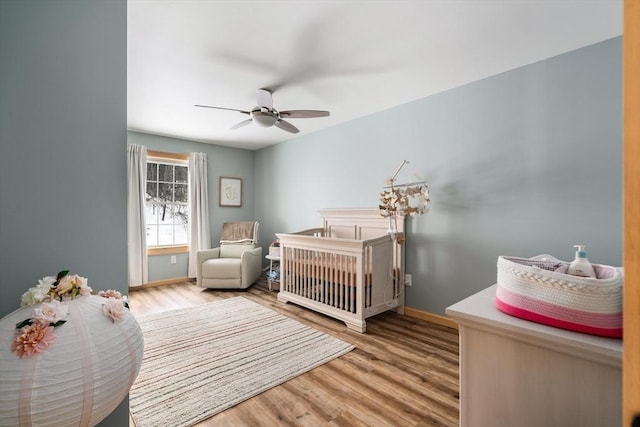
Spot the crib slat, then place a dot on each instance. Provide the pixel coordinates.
(347, 282)
(336, 279)
(354, 280)
(340, 280)
(314, 281)
(322, 283)
(299, 273)
(305, 274)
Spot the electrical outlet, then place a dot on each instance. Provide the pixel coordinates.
(407, 280)
(173, 259)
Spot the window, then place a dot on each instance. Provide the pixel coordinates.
(167, 197)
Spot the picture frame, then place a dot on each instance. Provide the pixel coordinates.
(230, 191)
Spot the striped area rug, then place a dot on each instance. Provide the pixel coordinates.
(201, 360)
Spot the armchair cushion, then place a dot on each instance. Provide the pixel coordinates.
(234, 251)
(222, 268)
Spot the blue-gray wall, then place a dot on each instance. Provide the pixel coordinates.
(221, 161)
(63, 146)
(522, 163)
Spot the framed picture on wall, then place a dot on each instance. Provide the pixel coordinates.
(230, 191)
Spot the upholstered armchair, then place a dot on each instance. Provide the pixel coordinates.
(236, 263)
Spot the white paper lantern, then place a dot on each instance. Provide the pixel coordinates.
(80, 378)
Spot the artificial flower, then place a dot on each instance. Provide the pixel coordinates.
(38, 293)
(32, 339)
(46, 283)
(50, 312)
(114, 309)
(65, 285)
(111, 293)
(29, 298)
(72, 285)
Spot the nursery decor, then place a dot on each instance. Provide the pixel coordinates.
(400, 200)
(67, 357)
(540, 290)
(230, 192)
(204, 359)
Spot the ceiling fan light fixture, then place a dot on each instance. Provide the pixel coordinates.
(264, 119)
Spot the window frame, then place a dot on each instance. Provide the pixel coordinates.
(175, 158)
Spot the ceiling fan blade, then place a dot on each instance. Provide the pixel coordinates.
(303, 114)
(284, 125)
(264, 98)
(241, 124)
(223, 108)
(287, 126)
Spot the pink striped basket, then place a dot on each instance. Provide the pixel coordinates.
(538, 289)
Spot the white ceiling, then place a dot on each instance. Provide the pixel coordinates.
(351, 57)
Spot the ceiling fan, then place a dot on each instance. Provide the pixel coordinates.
(265, 115)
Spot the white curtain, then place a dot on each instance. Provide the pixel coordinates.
(199, 235)
(136, 224)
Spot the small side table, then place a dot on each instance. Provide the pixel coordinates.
(271, 259)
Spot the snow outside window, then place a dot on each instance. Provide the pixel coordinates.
(167, 207)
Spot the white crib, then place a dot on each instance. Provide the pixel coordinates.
(349, 269)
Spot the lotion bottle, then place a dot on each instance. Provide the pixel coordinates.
(581, 265)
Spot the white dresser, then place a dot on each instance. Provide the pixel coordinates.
(516, 373)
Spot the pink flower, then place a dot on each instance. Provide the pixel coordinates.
(65, 285)
(110, 293)
(72, 285)
(33, 339)
(114, 309)
(50, 312)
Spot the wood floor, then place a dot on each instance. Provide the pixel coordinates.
(403, 371)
